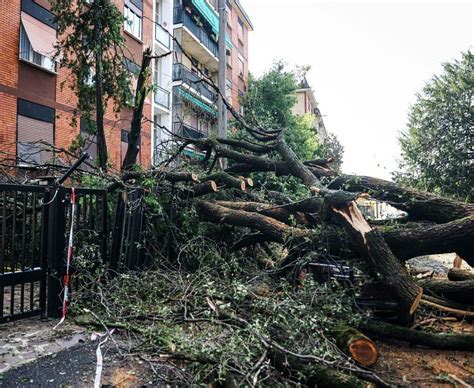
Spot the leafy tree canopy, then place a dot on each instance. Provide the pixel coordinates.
(269, 103)
(78, 44)
(437, 148)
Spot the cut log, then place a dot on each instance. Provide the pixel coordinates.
(462, 291)
(457, 274)
(356, 345)
(228, 180)
(431, 340)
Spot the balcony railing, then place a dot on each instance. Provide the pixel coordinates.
(186, 130)
(162, 36)
(162, 97)
(179, 16)
(182, 73)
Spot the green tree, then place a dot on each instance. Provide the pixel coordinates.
(269, 102)
(437, 147)
(91, 46)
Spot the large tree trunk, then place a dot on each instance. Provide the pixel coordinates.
(432, 340)
(458, 274)
(418, 204)
(136, 127)
(455, 236)
(462, 291)
(383, 262)
(99, 103)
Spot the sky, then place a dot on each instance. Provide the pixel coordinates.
(368, 60)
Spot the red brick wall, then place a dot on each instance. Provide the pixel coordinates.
(7, 125)
(237, 45)
(65, 100)
(9, 44)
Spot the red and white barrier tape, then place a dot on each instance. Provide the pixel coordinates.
(69, 258)
(98, 352)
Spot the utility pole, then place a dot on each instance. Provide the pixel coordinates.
(222, 114)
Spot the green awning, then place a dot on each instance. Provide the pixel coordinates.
(210, 15)
(193, 154)
(202, 105)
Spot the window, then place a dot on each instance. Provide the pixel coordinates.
(228, 89)
(37, 42)
(133, 19)
(241, 29)
(241, 66)
(35, 125)
(134, 71)
(228, 7)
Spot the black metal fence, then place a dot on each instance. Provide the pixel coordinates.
(34, 226)
(22, 251)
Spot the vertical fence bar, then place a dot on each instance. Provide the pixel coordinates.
(34, 200)
(13, 251)
(45, 210)
(103, 235)
(23, 249)
(56, 245)
(118, 230)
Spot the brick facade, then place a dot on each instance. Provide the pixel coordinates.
(239, 46)
(62, 97)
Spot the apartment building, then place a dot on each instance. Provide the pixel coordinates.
(306, 104)
(195, 57)
(37, 104)
(34, 103)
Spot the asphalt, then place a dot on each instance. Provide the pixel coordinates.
(73, 367)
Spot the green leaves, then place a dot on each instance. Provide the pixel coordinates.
(437, 145)
(77, 46)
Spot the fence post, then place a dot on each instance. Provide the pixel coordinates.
(118, 230)
(56, 240)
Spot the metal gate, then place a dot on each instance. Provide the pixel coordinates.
(22, 251)
(33, 222)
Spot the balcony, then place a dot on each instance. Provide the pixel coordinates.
(162, 40)
(182, 73)
(207, 51)
(161, 98)
(186, 130)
